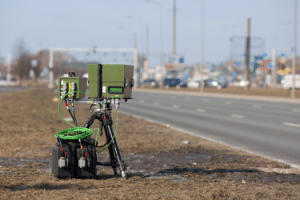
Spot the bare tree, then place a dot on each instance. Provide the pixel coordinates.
(38, 69)
(22, 61)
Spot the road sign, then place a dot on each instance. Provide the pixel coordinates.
(174, 59)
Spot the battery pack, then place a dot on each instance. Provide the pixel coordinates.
(86, 162)
(63, 159)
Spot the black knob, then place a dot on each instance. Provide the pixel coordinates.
(71, 74)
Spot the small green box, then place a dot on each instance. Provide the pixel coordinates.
(110, 80)
(80, 86)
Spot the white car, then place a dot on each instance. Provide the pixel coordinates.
(194, 84)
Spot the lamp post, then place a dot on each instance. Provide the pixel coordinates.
(293, 95)
(161, 29)
(202, 48)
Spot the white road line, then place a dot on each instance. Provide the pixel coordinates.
(175, 106)
(291, 124)
(200, 110)
(257, 106)
(227, 102)
(296, 110)
(237, 116)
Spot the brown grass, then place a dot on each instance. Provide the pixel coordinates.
(29, 119)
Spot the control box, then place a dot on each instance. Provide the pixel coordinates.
(86, 162)
(70, 161)
(63, 160)
(110, 80)
(68, 84)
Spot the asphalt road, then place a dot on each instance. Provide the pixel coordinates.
(270, 129)
(9, 88)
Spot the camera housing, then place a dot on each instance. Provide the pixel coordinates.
(105, 81)
(110, 80)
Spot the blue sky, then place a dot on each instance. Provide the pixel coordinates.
(97, 23)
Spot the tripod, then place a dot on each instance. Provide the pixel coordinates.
(104, 117)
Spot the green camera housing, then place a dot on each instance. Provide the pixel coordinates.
(65, 86)
(110, 81)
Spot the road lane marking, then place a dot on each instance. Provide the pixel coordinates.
(291, 124)
(200, 110)
(257, 106)
(296, 110)
(175, 106)
(238, 116)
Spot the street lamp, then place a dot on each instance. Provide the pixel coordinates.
(161, 29)
(293, 95)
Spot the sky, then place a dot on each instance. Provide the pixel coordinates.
(106, 24)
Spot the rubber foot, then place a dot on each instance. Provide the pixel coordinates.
(123, 174)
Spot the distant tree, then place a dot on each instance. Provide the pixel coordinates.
(22, 61)
(38, 69)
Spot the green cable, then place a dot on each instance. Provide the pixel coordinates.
(68, 134)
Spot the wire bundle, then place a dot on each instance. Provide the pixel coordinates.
(79, 133)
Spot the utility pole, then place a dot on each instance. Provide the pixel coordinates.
(8, 68)
(147, 51)
(51, 68)
(293, 95)
(174, 29)
(247, 59)
(202, 48)
(274, 66)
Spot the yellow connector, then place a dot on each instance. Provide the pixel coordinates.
(70, 85)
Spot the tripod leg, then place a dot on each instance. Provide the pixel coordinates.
(114, 151)
(112, 156)
(90, 121)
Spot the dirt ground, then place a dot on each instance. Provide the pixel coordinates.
(160, 165)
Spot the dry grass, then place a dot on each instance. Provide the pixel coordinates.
(29, 119)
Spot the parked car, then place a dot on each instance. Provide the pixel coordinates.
(214, 83)
(171, 82)
(150, 83)
(183, 83)
(194, 84)
(210, 83)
